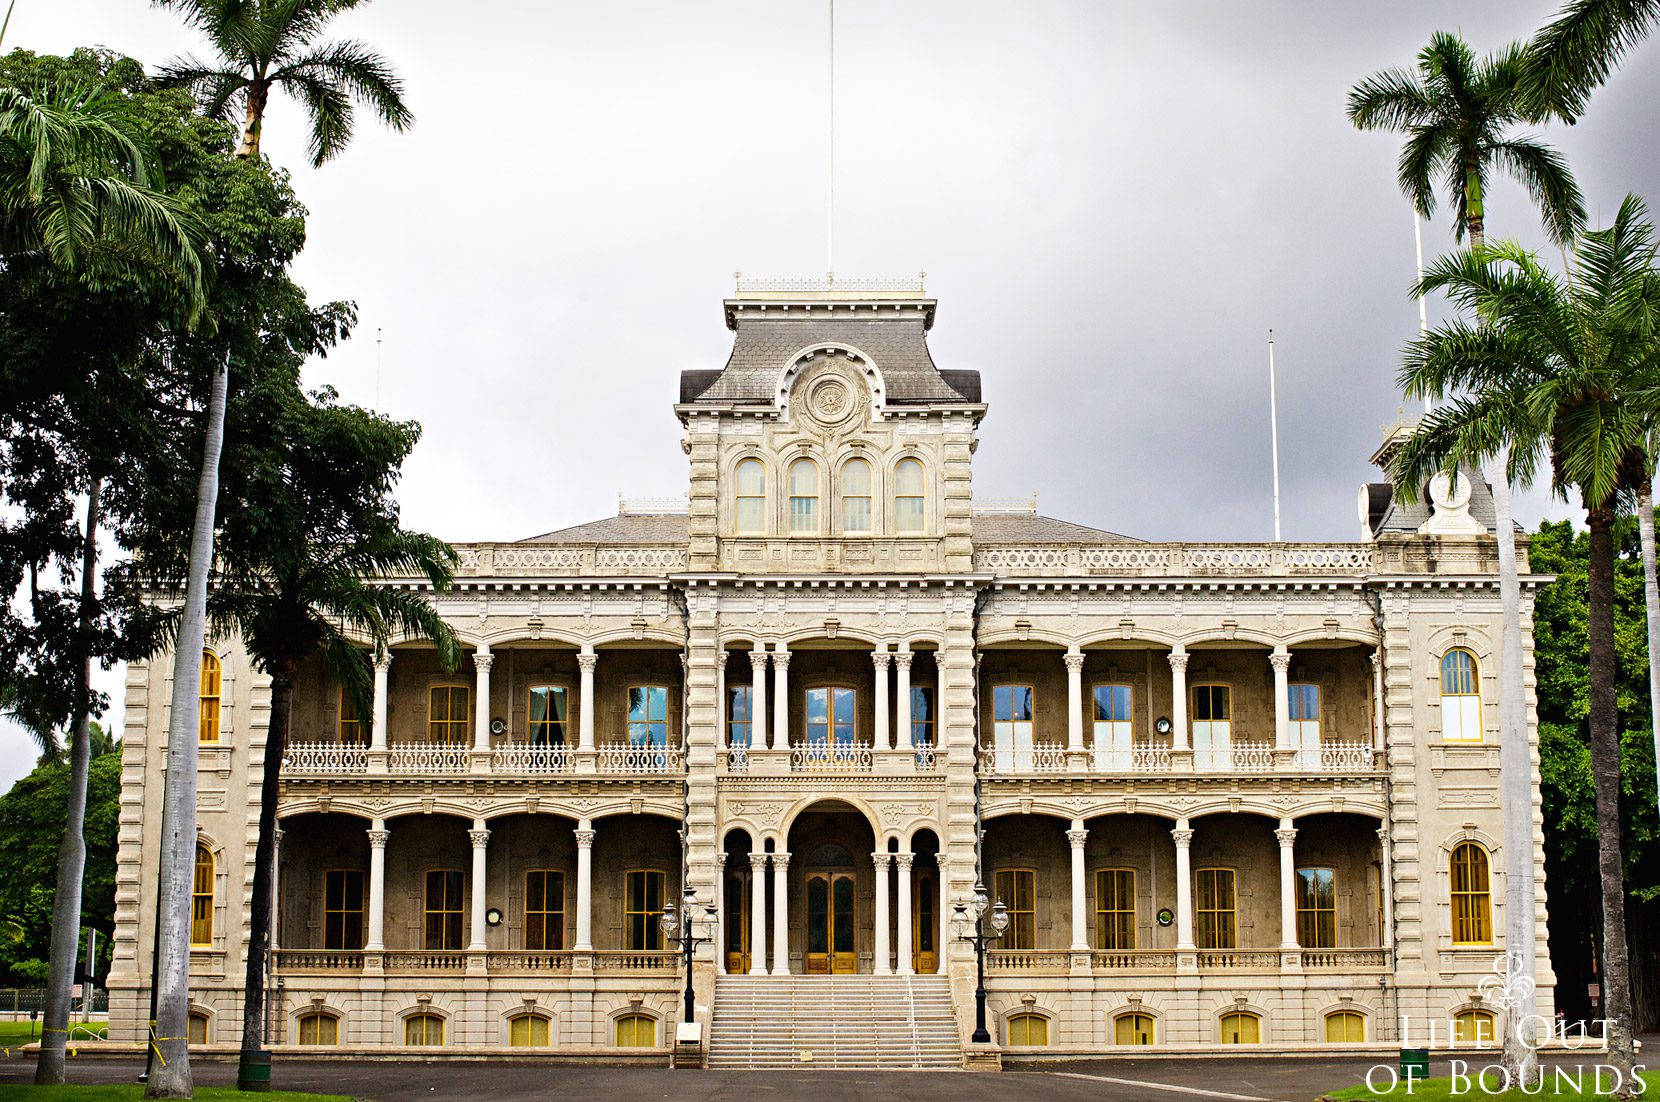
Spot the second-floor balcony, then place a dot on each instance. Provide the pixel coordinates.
(335, 759)
(1041, 758)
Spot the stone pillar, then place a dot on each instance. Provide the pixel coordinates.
(881, 658)
(586, 660)
(1287, 837)
(584, 886)
(903, 862)
(757, 914)
(902, 667)
(722, 728)
(378, 836)
(377, 726)
(880, 964)
(1178, 697)
(276, 892)
(480, 837)
(1377, 699)
(482, 661)
(1080, 928)
(781, 913)
(720, 912)
(1074, 700)
(1386, 884)
(1281, 661)
(758, 698)
(1183, 837)
(781, 698)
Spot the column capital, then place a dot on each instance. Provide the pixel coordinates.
(379, 838)
(1178, 660)
(881, 859)
(881, 658)
(1182, 838)
(758, 657)
(758, 861)
(483, 660)
(902, 659)
(479, 838)
(720, 859)
(1280, 659)
(383, 660)
(1074, 661)
(902, 860)
(781, 658)
(1287, 837)
(276, 835)
(1383, 836)
(1077, 838)
(586, 661)
(1376, 657)
(584, 839)
(780, 858)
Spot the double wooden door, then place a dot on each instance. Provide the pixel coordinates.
(832, 923)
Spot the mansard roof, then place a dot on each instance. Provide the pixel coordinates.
(661, 528)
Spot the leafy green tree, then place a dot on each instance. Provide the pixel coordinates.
(1558, 369)
(264, 45)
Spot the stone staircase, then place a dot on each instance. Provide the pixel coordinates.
(834, 1022)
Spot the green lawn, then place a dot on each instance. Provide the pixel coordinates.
(134, 1093)
(1440, 1090)
(21, 1033)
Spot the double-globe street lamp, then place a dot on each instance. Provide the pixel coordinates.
(680, 927)
(970, 920)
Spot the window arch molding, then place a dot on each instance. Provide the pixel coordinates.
(849, 492)
(220, 878)
(751, 514)
(804, 480)
(1444, 882)
(795, 366)
(1015, 1015)
(909, 495)
(617, 1017)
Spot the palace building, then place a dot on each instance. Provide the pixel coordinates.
(1223, 794)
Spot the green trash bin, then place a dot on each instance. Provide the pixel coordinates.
(254, 1072)
(1414, 1064)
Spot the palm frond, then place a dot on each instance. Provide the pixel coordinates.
(1549, 182)
(1575, 53)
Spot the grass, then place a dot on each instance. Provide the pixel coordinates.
(22, 1032)
(134, 1093)
(1440, 1090)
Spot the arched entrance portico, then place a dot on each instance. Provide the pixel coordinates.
(833, 884)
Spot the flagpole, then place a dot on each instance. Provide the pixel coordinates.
(1423, 311)
(830, 189)
(1274, 430)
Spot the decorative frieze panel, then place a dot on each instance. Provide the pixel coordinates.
(561, 560)
(1179, 559)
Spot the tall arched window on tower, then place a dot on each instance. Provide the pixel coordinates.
(208, 730)
(751, 516)
(909, 498)
(804, 497)
(1460, 696)
(1472, 895)
(856, 511)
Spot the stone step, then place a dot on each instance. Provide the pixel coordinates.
(841, 1022)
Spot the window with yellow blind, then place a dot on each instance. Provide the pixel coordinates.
(212, 674)
(1474, 1027)
(1017, 890)
(197, 1029)
(1215, 898)
(1472, 896)
(1345, 1027)
(1115, 908)
(1241, 1028)
(423, 1029)
(201, 898)
(528, 1030)
(1317, 908)
(349, 731)
(545, 909)
(343, 909)
(1132, 1029)
(643, 909)
(636, 1031)
(1028, 1030)
(319, 1028)
(449, 715)
(442, 907)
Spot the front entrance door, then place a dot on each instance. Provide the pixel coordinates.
(831, 923)
(737, 921)
(924, 949)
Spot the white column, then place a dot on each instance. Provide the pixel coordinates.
(903, 862)
(722, 728)
(586, 660)
(757, 914)
(1178, 697)
(482, 661)
(881, 658)
(1287, 836)
(1281, 661)
(781, 698)
(276, 893)
(1183, 837)
(1386, 878)
(378, 836)
(377, 727)
(883, 862)
(1377, 698)
(902, 666)
(1074, 699)
(758, 699)
(1080, 931)
(720, 912)
(781, 913)
(584, 886)
(480, 837)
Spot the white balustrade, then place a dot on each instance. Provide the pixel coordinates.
(532, 759)
(639, 761)
(422, 759)
(325, 759)
(1141, 758)
(824, 757)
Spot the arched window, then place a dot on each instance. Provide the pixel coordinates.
(528, 1030)
(1460, 696)
(319, 1028)
(1345, 1027)
(1241, 1028)
(1472, 896)
(208, 728)
(201, 898)
(856, 511)
(636, 1031)
(1028, 1029)
(423, 1029)
(910, 513)
(1474, 1027)
(804, 497)
(198, 1028)
(1132, 1029)
(751, 486)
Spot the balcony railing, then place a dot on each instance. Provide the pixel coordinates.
(1044, 758)
(419, 759)
(424, 960)
(320, 960)
(506, 961)
(1133, 960)
(325, 758)
(528, 960)
(1345, 960)
(428, 759)
(1177, 560)
(1228, 960)
(827, 757)
(640, 761)
(632, 960)
(1239, 757)
(530, 759)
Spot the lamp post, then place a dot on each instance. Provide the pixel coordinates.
(680, 926)
(970, 921)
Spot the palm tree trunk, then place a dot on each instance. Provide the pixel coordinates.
(1516, 778)
(253, 1073)
(169, 1074)
(254, 121)
(1651, 602)
(66, 901)
(1605, 776)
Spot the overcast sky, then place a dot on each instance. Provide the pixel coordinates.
(1114, 202)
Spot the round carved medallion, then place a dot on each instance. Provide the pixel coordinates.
(832, 399)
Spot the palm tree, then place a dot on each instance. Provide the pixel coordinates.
(1460, 114)
(270, 44)
(1575, 53)
(1564, 372)
(301, 584)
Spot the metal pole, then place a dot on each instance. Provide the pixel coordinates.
(1423, 312)
(830, 192)
(981, 1035)
(1274, 431)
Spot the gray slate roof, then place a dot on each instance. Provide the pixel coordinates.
(1387, 513)
(672, 528)
(1031, 528)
